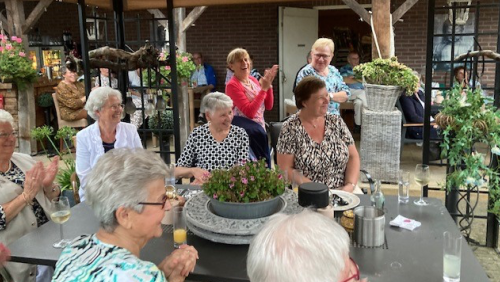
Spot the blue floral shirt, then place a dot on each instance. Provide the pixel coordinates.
(347, 71)
(334, 83)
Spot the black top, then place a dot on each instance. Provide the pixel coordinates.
(108, 146)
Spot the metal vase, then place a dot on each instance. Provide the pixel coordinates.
(369, 226)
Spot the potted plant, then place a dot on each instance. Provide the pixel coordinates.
(64, 176)
(468, 118)
(185, 67)
(14, 65)
(247, 190)
(384, 81)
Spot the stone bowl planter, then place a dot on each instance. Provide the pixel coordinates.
(245, 210)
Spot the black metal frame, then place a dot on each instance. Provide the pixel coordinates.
(455, 196)
(118, 21)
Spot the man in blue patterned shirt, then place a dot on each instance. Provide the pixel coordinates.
(358, 96)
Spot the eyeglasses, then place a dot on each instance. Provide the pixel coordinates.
(322, 56)
(355, 273)
(162, 204)
(116, 107)
(7, 135)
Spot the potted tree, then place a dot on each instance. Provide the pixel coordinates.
(248, 190)
(384, 81)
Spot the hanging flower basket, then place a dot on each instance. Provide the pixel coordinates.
(382, 98)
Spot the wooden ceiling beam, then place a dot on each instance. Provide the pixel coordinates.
(401, 10)
(5, 23)
(159, 14)
(36, 14)
(358, 9)
(192, 17)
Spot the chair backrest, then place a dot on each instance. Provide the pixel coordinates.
(61, 122)
(274, 132)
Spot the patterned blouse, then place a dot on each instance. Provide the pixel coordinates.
(323, 162)
(334, 83)
(203, 151)
(69, 98)
(16, 175)
(89, 259)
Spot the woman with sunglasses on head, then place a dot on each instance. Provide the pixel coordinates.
(306, 246)
(128, 217)
(322, 55)
(108, 132)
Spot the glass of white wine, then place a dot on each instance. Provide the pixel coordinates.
(422, 176)
(60, 215)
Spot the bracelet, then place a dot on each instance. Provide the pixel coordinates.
(26, 200)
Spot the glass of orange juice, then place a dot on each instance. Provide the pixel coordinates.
(180, 230)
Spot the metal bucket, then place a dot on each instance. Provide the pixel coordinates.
(369, 226)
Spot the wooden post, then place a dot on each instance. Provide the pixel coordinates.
(26, 98)
(382, 26)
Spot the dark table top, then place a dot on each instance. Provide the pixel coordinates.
(409, 256)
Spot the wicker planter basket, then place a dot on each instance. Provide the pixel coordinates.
(382, 98)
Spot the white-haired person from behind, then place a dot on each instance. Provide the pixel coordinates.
(301, 247)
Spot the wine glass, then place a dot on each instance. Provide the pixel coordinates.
(422, 176)
(60, 215)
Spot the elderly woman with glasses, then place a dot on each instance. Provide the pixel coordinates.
(215, 145)
(322, 54)
(126, 191)
(27, 188)
(108, 132)
(315, 249)
(71, 95)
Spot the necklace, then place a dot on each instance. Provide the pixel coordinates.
(9, 167)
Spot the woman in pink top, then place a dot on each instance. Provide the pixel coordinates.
(251, 98)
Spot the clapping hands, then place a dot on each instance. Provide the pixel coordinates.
(267, 80)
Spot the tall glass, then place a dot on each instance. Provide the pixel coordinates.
(422, 176)
(170, 182)
(60, 215)
(404, 187)
(296, 180)
(180, 229)
(452, 256)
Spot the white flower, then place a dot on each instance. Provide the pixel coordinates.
(495, 150)
(470, 181)
(479, 182)
(463, 101)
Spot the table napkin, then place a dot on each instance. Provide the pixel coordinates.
(406, 223)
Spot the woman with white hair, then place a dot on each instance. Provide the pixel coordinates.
(129, 217)
(108, 132)
(215, 145)
(27, 188)
(301, 247)
(322, 55)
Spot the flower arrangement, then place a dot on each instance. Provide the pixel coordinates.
(14, 65)
(248, 182)
(185, 67)
(466, 120)
(388, 72)
(45, 132)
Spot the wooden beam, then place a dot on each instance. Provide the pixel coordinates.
(382, 26)
(401, 10)
(36, 14)
(5, 23)
(358, 9)
(192, 17)
(487, 53)
(158, 14)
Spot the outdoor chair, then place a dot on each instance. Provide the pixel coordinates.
(60, 122)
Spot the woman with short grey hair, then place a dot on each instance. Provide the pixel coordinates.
(108, 132)
(126, 191)
(301, 247)
(215, 145)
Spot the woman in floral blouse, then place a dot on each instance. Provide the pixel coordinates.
(322, 54)
(316, 142)
(71, 96)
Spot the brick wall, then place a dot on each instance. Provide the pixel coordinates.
(10, 101)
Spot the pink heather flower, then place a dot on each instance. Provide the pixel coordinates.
(252, 178)
(215, 196)
(242, 194)
(22, 54)
(19, 40)
(4, 39)
(244, 180)
(1, 36)
(280, 176)
(8, 46)
(13, 38)
(233, 179)
(231, 185)
(185, 59)
(1, 49)
(167, 67)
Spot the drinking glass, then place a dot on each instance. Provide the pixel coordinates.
(60, 215)
(170, 182)
(422, 176)
(452, 250)
(296, 180)
(180, 230)
(404, 187)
